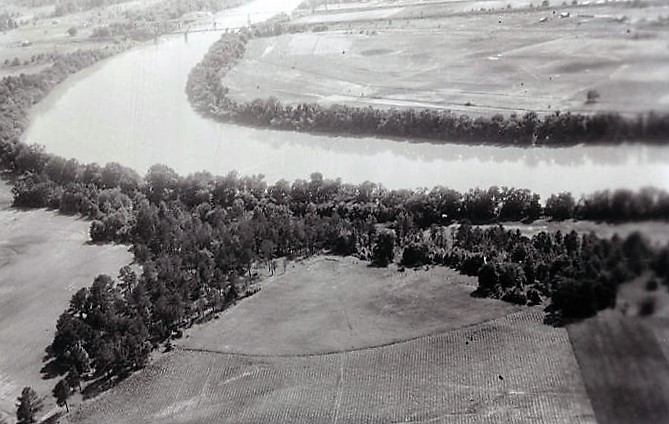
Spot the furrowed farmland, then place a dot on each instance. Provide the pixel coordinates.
(513, 369)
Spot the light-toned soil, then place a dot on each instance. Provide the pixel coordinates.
(474, 63)
(330, 304)
(44, 259)
(512, 370)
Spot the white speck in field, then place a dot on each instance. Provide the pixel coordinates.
(176, 408)
(231, 379)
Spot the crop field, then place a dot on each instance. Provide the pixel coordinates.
(513, 370)
(44, 259)
(624, 368)
(330, 304)
(476, 63)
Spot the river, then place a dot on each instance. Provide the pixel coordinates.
(132, 109)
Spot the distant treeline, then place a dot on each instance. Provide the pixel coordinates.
(66, 7)
(134, 30)
(159, 18)
(197, 239)
(165, 9)
(209, 97)
(175, 9)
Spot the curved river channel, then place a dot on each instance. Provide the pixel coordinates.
(132, 109)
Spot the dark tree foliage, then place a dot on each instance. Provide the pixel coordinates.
(579, 273)
(61, 392)
(28, 405)
(198, 239)
(384, 250)
(416, 254)
(560, 206)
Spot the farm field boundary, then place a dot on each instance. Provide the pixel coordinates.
(472, 375)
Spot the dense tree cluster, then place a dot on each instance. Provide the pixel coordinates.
(72, 6)
(162, 10)
(175, 9)
(134, 30)
(46, 57)
(580, 274)
(28, 405)
(199, 238)
(158, 18)
(208, 95)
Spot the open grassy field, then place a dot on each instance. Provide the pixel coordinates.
(475, 63)
(330, 304)
(44, 259)
(512, 370)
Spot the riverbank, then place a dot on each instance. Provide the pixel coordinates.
(296, 47)
(199, 238)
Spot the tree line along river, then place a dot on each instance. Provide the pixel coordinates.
(133, 109)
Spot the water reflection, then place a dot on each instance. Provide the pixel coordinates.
(530, 157)
(132, 109)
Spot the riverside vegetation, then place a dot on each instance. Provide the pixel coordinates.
(198, 238)
(210, 97)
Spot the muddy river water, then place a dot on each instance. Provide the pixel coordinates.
(133, 109)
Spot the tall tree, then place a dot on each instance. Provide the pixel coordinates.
(28, 406)
(383, 252)
(62, 392)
